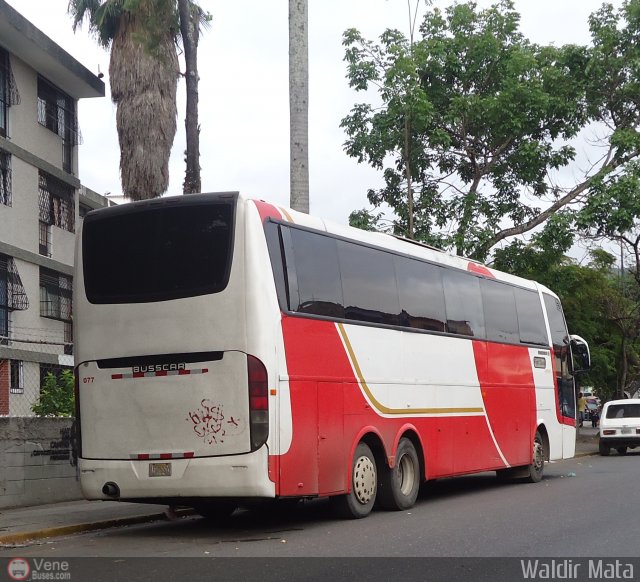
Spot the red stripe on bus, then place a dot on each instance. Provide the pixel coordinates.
(117, 376)
(163, 373)
(267, 210)
(480, 269)
(143, 456)
(166, 455)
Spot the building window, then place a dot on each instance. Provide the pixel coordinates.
(55, 295)
(57, 205)
(44, 238)
(68, 338)
(16, 378)
(5, 178)
(12, 295)
(8, 91)
(57, 112)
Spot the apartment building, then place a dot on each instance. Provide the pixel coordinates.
(41, 202)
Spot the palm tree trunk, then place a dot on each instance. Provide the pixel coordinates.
(143, 86)
(299, 105)
(189, 29)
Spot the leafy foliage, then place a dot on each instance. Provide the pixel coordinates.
(56, 395)
(482, 119)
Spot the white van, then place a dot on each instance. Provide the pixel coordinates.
(620, 426)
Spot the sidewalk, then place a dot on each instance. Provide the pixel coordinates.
(587, 441)
(22, 524)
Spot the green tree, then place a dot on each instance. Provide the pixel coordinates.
(143, 75)
(491, 116)
(594, 305)
(56, 395)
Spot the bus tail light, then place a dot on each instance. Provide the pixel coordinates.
(258, 402)
(609, 431)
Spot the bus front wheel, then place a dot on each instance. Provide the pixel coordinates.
(398, 487)
(358, 503)
(536, 468)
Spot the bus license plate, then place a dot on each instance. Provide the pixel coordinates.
(159, 469)
(626, 431)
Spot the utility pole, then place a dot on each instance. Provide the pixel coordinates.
(299, 105)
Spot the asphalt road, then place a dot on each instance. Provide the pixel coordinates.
(583, 508)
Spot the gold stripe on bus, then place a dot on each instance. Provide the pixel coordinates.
(286, 214)
(385, 409)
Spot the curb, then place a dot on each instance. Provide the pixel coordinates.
(17, 538)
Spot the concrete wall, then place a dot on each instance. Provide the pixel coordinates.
(36, 462)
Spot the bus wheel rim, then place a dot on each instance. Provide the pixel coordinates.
(364, 480)
(538, 455)
(407, 474)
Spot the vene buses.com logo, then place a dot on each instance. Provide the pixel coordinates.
(18, 569)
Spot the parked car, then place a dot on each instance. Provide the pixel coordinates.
(620, 426)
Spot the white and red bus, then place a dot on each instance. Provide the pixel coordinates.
(229, 349)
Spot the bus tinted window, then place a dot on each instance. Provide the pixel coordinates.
(561, 353)
(530, 317)
(368, 284)
(464, 304)
(180, 251)
(318, 273)
(500, 318)
(421, 294)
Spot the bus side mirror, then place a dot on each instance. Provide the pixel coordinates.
(580, 350)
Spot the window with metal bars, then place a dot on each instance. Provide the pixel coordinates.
(55, 295)
(68, 338)
(57, 205)
(8, 91)
(5, 178)
(57, 112)
(16, 385)
(12, 295)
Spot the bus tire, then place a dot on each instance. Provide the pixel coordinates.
(398, 487)
(216, 510)
(603, 448)
(359, 502)
(536, 468)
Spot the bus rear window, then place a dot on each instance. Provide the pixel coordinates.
(144, 254)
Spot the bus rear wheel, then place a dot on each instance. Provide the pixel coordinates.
(359, 502)
(399, 487)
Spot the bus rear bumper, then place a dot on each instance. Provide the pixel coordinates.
(229, 476)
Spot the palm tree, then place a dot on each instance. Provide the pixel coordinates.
(299, 105)
(143, 71)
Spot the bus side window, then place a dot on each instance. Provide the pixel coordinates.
(530, 317)
(421, 294)
(465, 315)
(318, 274)
(276, 254)
(501, 319)
(368, 284)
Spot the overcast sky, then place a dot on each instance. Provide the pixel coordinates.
(244, 106)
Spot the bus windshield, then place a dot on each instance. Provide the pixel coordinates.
(180, 251)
